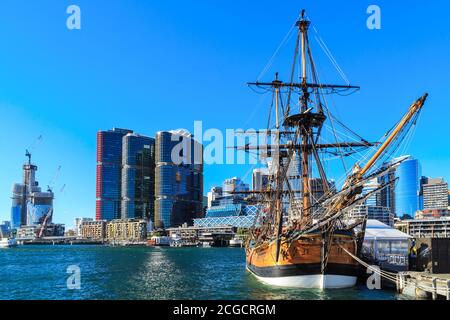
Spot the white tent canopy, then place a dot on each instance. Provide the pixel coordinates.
(376, 230)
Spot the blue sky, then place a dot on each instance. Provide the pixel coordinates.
(160, 65)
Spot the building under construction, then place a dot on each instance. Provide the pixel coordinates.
(31, 207)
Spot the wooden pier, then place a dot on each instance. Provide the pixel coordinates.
(424, 285)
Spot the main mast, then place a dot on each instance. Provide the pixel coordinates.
(305, 124)
(303, 25)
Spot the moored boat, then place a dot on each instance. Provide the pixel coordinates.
(300, 263)
(8, 243)
(236, 242)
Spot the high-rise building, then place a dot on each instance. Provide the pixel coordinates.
(30, 205)
(260, 179)
(407, 188)
(381, 214)
(213, 195)
(434, 193)
(374, 199)
(402, 197)
(18, 203)
(109, 168)
(317, 189)
(233, 186)
(138, 177)
(387, 194)
(294, 174)
(178, 179)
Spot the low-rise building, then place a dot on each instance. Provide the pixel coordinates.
(5, 228)
(217, 236)
(93, 230)
(426, 228)
(78, 222)
(27, 232)
(382, 214)
(238, 215)
(33, 231)
(126, 230)
(432, 214)
(70, 233)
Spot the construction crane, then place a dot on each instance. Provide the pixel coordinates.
(49, 214)
(44, 223)
(53, 180)
(33, 145)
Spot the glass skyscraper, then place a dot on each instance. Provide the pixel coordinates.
(178, 179)
(407, 188)
(403, 196)
(108, 176)
(18, 203)
(370, 187)
(138, 177)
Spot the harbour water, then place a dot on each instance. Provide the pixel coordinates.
(40, 272)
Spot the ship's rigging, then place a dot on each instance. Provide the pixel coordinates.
(301, 116)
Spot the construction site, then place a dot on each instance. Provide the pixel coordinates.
(32, 207)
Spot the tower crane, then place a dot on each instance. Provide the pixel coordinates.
(50, 212)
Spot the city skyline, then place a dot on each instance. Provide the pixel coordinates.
(70, 93)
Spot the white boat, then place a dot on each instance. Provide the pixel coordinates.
(160, 241)
(236, 242)
(8, 243)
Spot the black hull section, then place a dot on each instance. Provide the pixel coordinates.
(305, 270)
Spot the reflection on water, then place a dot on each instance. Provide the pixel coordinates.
(39, 272)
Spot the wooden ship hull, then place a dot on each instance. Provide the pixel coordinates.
(300, 263)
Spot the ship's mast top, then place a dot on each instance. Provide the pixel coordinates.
(303, 26)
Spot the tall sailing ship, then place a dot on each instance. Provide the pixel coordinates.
(302, 238)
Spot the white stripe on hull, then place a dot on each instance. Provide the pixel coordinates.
(315, 281)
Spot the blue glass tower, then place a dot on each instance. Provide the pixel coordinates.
(402, 198)
(109, 167)
(178, 179)
(18, 202)
(407, 188)
(138, 177)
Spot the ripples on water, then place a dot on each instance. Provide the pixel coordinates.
(39, 272)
